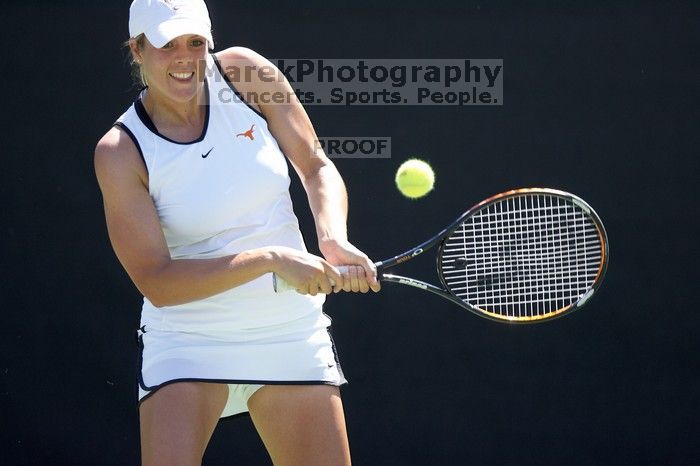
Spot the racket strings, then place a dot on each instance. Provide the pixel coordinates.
(523, 257)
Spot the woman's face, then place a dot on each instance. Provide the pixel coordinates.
(172, 69)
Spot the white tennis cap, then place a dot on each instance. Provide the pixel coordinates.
(164, 20)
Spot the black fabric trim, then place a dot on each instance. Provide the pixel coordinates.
(146, 120)
(233, 88)
(152, 390)
(128, 132)
(335, 351)
(155, 388)
(143, 116)
(139, 359)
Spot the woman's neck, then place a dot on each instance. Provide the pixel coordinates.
(168, 112)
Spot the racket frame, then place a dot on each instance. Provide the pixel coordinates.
(445, 233)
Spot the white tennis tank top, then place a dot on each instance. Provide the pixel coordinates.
(224, 193)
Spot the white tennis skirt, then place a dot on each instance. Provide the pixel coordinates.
(300, 352)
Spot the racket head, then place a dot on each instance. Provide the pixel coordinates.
(525, 255)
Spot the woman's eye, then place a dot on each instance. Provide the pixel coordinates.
(197, 43)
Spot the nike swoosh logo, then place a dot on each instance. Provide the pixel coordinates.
(204, 156)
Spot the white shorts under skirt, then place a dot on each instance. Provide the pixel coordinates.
(296, 353)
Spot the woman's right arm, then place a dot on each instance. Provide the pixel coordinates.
(137, 238)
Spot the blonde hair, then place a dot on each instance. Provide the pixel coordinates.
(136, 70)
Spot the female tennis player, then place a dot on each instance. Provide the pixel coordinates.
(195, 187)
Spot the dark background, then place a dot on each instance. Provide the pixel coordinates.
(600, 100)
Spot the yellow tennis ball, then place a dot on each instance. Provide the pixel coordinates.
(415, 178)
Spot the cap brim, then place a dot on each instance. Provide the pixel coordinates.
(166, 31)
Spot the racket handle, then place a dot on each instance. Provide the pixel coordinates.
(281, 285)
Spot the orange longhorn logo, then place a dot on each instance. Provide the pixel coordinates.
(248, 134)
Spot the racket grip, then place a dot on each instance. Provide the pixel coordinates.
(281, 285)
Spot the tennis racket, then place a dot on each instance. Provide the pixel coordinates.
(522, 256)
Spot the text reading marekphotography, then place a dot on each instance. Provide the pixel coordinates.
(351, 82)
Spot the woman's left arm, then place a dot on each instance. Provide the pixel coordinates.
(291, 127)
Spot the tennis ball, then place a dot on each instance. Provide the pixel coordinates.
(415, 178)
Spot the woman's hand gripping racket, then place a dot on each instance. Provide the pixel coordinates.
(522, 256)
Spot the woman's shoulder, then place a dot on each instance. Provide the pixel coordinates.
(243, 58)
(243, 54)
(117, 153)
(252, 75)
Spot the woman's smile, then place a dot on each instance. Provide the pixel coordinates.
(182, 77)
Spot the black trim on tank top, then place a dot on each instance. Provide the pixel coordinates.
(233, 88)
(146, 120)
(128, 132)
